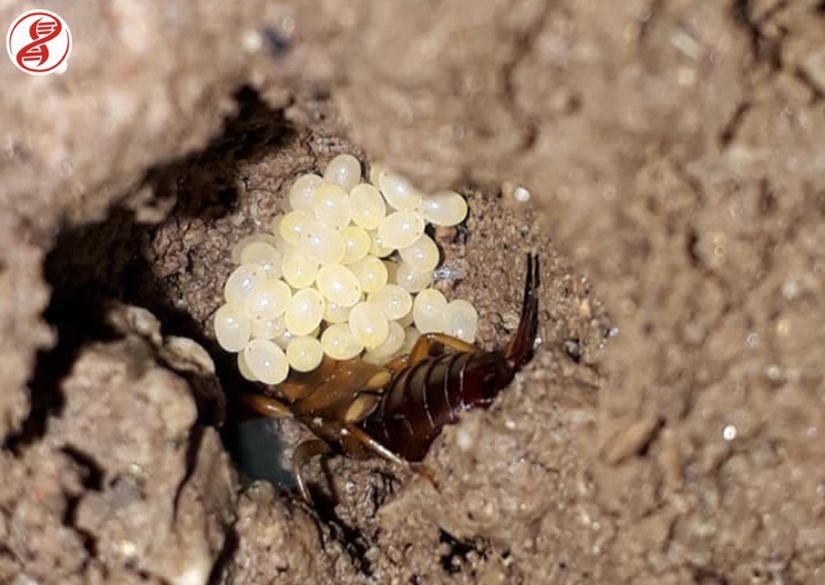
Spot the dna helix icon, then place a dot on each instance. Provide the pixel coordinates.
(41, 32)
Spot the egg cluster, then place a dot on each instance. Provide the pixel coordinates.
(347, 271)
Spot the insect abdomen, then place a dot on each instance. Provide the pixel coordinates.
(421, 399)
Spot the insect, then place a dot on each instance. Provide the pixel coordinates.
(396, 411)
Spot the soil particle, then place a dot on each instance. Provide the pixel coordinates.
(122, 483)
(73, 145)
(131, 421)
(278, 541)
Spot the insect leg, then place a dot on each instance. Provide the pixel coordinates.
(267, 406)
(421, 349)
(300, 456)
(380, 450)
(378, 381)
(362, 438)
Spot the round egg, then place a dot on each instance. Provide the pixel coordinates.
(336, 313)
(266, 361)
(302, 193)
(378, 248)
(232, 328)
(344, 171)
(401, 229)
(241, 282)
(393, 300)
(410, 279)
(411, 335)
(392, 269)
(446, 208)
(294, 226)
(370, 272)
(428, 308)
(460, 319)
(376, 170)
(323, 243)
(338, 284)
(284, 338)
(398, 191)
(298, 270)
(265, 255)
(368, 206)
(331, 206)
(243, 368)
(422, 255)
(268, 300)
(304, 353)
(406, 320)
(358, 244)
(368, 324)
(304, 311)
(235, 253)
(391, 346)
(268, 328)
(280, 243)
(339, 343)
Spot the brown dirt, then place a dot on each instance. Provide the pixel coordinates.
(668, 431)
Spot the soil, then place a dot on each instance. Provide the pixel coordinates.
(669, 429)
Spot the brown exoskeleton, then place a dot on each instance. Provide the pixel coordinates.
(396, 411)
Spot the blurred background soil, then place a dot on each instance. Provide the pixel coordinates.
(670, 428)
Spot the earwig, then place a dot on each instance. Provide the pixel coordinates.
(396, 412)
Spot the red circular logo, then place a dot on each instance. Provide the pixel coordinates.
(39, 42)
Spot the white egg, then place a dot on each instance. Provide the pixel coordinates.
(344, 170)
